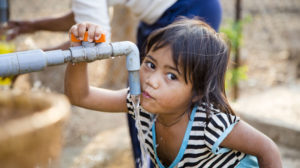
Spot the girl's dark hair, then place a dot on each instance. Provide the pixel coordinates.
(203, 56)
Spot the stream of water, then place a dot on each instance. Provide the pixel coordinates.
(136, 106)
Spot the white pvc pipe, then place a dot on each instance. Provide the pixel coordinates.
(37, 60)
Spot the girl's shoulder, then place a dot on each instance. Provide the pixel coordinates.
(216, 125)
(214, 119)
(210, 111)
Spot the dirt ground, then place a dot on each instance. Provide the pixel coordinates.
(271, 51)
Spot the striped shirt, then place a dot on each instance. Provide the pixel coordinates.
(200, 146)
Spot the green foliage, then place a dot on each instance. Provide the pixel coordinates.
(233, 31)
(234, 75)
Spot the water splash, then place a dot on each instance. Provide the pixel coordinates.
(141, 135)
(136, 107)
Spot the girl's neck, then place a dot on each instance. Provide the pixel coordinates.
(169, 120)
(170, 131)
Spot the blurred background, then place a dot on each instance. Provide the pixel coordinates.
(263, 82)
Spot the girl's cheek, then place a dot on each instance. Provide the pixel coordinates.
(142, 74)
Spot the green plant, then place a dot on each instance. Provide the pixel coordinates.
(233, 31)
(234, 75)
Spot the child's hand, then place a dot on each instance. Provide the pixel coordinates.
(78, 30)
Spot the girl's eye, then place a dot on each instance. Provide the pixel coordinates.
(171, 76)
(150, 65)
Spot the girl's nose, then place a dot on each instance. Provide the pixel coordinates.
(153, 80)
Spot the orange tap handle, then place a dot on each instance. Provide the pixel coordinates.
(74, 39)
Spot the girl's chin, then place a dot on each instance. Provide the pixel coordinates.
(149, 109)
(149, 106)
(146, 106)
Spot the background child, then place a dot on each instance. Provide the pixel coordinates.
(182, 82)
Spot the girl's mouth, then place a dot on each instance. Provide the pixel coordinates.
(146, 95)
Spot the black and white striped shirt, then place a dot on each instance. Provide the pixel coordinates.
(200, 146)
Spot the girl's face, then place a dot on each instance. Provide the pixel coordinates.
(164, 90)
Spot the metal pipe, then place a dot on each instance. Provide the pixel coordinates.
(37, 60)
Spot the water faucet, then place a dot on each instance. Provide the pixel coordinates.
(36, 60)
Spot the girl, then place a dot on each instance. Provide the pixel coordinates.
(182, 82)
